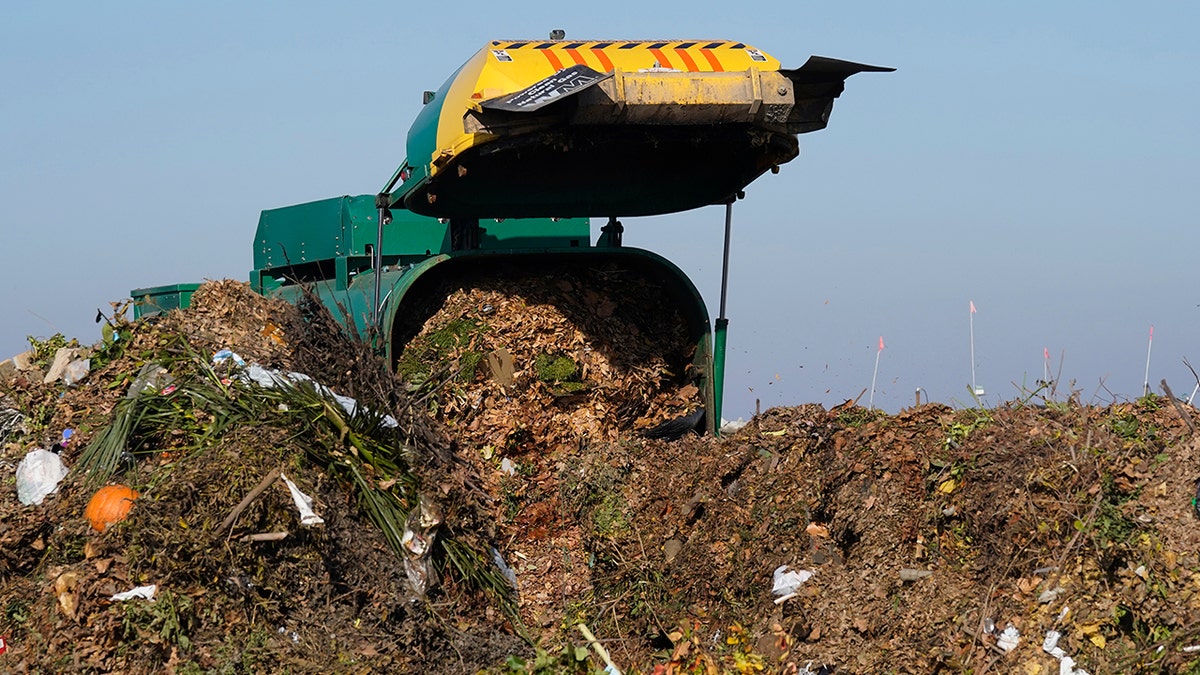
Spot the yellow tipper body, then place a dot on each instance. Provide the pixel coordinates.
(604, 128)
(504, 68)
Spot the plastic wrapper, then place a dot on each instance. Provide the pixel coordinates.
(420, 534)
(38, 475)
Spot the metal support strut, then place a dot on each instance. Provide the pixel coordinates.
(611, 233)
(385, 217)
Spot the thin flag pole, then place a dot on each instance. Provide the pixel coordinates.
(1149, 346)
(974, 388)
(1046, 366)
(871, 402)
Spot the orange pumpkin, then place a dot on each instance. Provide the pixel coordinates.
(109, 506)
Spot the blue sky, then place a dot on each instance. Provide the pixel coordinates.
(1037, 158)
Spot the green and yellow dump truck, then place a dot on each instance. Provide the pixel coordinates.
(508, 162)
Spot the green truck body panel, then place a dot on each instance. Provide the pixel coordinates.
(327, 246)
(332, 240)
(161, 299)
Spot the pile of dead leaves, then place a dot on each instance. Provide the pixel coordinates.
(241, 586)
(938, 541)
(1032, 539)
(521, 363)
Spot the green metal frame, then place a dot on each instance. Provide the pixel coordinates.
(352, 303)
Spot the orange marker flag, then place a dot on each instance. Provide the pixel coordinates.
(972, 306)
(880, 343)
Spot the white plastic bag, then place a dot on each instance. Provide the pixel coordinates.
(141, 592)
(39, 475)
(304, 504)
(787, 581)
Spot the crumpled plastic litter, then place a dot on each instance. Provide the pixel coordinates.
(304, 504)
(1050, 644)
(504, 569)
(76, 371)
(38, 475)
(807, 670)
(420, 533)
(1009, 638)
(152, 377)
(787, 581)
(269, 378)
(1066, 664)
(1049, 595)
(227, 355)
(10, 421)
(142, 592)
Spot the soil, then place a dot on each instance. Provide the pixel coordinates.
(928, 533)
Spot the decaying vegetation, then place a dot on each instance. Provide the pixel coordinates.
(929, 533)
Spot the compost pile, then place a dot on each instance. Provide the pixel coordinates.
(527, 362)
(1041, 536)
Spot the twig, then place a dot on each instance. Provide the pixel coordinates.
(599, 648)
(1189, 367)
(1062, 559)
(265, 536)
(1058, 376)
(271, 477)
(1178, 408)
(443, 383)
(1185, 632)
(977, 633)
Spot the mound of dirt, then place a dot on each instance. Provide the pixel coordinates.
(1032, 539)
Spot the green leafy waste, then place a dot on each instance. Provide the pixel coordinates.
(367, 455)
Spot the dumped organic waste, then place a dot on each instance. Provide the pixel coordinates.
(475, 534)
(518, 363)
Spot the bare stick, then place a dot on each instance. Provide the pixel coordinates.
(265, 536)
(258, 490)
(1178, 408)
(1052, 580)
(1189, 367)
(595, 644)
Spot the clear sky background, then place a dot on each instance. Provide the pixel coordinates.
(1037, 158)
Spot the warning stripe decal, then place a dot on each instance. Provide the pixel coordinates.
(687, 60)
(553, 59)
(618, 45)
(576, 56)
(663, 61)
(605, 62)
(691, 57)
